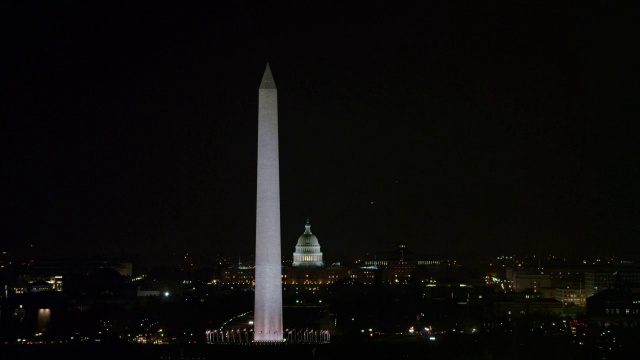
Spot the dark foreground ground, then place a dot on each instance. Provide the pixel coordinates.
(452, 347)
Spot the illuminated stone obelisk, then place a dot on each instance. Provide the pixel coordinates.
(267, 314)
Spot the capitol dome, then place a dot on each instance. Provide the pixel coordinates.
(307, 249)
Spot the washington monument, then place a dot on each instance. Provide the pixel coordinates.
(267, 321)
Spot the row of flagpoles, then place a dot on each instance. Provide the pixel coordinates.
(245, 336)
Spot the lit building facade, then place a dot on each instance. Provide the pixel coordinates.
(535, 282)
(596, 281)
(571, 296)
(614, 308)
(307, 252)
(310, 272)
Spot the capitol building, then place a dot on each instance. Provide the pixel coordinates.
(307, 252)
(307, 270)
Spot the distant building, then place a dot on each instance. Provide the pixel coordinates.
(534, 279)
(599, 280)
(307, 252)
(40, 286)
(571, 295)
(159, 288)
(16, 287)
(308, 270)
(614, 307)
(536, 282)
(53, 274)
(240, 275)
(310, 278)
(520, 305)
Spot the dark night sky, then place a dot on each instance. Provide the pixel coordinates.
(456, 127)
